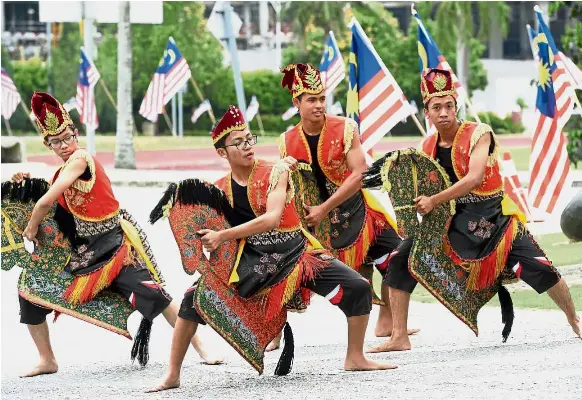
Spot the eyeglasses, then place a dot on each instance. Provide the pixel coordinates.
(243, 144)
(58, 143)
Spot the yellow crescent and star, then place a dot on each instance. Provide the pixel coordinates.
(168, 53)
(545, 74)
(353, 102)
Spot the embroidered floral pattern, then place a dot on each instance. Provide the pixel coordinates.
(90, 228)
(78, 200)
(80, 258)
(272, 237)
(482, 228)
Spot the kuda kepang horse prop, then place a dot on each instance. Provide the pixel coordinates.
(190, 206)
(43, 279)
(405, 175)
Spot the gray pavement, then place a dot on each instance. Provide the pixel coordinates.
(541, 359)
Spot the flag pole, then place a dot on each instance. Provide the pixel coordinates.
(418, 125)
(27, 111)
(260, 121)
(199, 93)
(7, 123)
(168, 120)
(112, 100)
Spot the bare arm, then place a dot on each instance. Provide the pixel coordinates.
(66, 178)
(474, 177)
(266, 222)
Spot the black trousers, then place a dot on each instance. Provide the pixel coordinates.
(136, 285)
(341, 285)
(525, 258)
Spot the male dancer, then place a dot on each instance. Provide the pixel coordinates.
(360, 227)
(483, 221)
(104, 256)
(275, 248)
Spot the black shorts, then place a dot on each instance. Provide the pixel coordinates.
(525, 258)
(337, 282)
(136, 285)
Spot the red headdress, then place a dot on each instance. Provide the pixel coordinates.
(302, 78)
(232, 120)
(50, 116)
(436, 83)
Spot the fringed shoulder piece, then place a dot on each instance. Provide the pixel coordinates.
(349, 130)
(372, 178)
(281, 145)
(190, 192)
(280, 167)
(30, 189)
(477, 134)
(79, 184)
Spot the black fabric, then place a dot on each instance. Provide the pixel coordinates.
(525, 258)
(92, 252)
(443, 157)
(320, 178)
(354, 298)
(135, 284)
(385, 242)
(243, 212)
(477, 228)
(266, 264)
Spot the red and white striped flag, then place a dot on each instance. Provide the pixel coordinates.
(375, 99)
(332, 67)
(549, 162)
(170, 76)
(10, 95)
(85, 100)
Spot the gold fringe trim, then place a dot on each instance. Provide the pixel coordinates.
(281, 145)
(478, 133)
(280, 167)
(79, 184)
(350, 127)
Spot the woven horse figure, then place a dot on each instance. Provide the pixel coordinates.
(43, 279)
(405, 175)
(193, 205)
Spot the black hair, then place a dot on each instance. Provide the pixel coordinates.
(222, 142)
(426, 105)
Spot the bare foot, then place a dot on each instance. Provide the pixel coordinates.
(363, 364)
(388, 332)
(392, 345)
(44, 367)
(212, 361)
(275, 344)
(575, 324)
(168, 384)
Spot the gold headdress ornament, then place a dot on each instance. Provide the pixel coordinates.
(302, 78)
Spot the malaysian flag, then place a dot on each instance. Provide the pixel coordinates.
(429, 56)
(572, 71)
(375, 101)
(172, 73)
(332, 67)
(10, 95)
(549, 163)
(85, 100)
(531, 34)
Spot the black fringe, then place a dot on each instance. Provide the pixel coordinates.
(285, 363)
(507, 314)
(169, 195)
(141, 342)
(30, 189)
(194, 191)
(372, 178)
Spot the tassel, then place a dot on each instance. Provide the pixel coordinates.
(84, 288)
(285, 363)
(141, 342)
(507, 314)
(169, 196)
(372, 178)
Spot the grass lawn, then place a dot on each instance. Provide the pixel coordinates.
(560, 250)
(520, 156)
(521, 298)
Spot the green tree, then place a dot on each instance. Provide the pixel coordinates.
(186, 23)
(328, 15)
